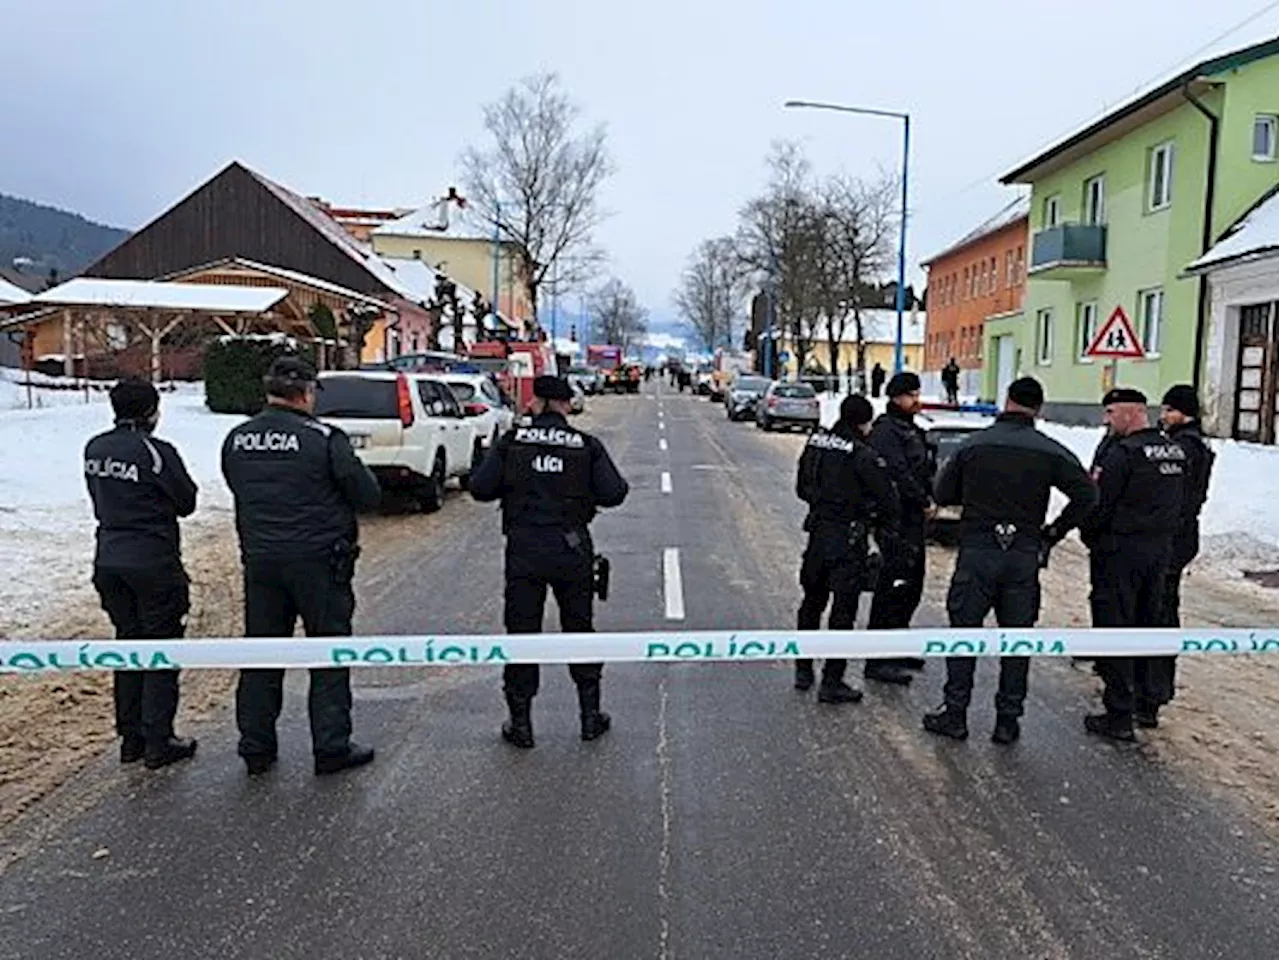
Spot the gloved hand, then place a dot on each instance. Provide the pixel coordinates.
(1049, 537)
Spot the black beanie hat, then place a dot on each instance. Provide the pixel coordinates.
(1027, 392)
(1123, 395)
(552, 388)
(1183, 399)
(134, 400)
(900, 383)
(856, 410)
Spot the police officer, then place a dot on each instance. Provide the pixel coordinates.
(847, 488)
(297, 486)
(1180, 418)
(140, 487)
(1002, 477)
(1130, 538)
(900, 442)
(551, 478)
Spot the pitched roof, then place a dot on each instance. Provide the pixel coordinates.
(1254, 236)
(293, 276)
(1080, 142)
(159, 295)
(425, 223)
(11, 293)
(1017, 209)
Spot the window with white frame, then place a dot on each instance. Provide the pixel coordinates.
(1160, 177)
(1086, 326)
(1095, 201)
(1264, 137)
(1044, 336)
(1052, 211)
(1151, 316)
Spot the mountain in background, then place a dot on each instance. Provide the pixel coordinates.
(43, 239)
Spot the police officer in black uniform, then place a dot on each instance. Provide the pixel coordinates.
(1002, 477)
(298, 486)
(848, 490)
(140, 488)
(551, 479)
(1141, 478)
(1180, 418)
(900, 442)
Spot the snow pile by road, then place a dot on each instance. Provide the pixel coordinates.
(46, 521)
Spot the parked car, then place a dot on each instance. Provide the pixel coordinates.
(788, 405)
(591, 381)
(944, 432)
(703, 381)
(483, 402)
(408, 428)
(578, 402)
(742, 396)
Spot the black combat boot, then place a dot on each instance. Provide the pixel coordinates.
(171, 751)
(1113, 726)
(948, 721)
(518, 729)
(1007, 730)
(259, 763)
(132, 749)
(837, 691)
(887, 672)
(595, 723)
(356, 756)
(1147, 715)
(913, 663)
(804, 675)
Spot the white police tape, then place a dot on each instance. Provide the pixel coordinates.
(32, 656)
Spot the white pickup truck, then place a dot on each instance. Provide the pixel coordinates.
(409, 429)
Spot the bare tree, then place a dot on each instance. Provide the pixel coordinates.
(538, 183)
(616, 315)
(778, 239)
(711, 292)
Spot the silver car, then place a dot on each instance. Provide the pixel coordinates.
(741, 398)
(789, 405)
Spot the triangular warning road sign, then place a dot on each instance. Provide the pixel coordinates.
(1116, 339)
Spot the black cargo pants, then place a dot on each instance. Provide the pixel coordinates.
(276, 594)
(988, 578)
(900, 588)
(830, 572)
(1185, 548)
(1128, 590)
(539, 558)
(145, 603)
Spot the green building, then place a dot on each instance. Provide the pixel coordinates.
(1118, 211)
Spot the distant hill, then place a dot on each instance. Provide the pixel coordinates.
(51, 239)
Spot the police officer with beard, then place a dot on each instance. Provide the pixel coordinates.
(1002, 477)
(140, 487)
(1141, 477)
(900, 442)
(847, 488)
(298, 486)
(551, 479)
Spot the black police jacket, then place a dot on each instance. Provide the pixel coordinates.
(900, 442)
(844, 481)
(297, 485)
(548, 474)
(1140, 484)
(139, 488)
(1195, 490)
(1003, 475)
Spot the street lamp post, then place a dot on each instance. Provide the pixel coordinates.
(902, 227)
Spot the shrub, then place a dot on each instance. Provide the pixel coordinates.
(234, 368)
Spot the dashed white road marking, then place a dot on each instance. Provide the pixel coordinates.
(672, 584)
(662, 444)
(666, 482)
(661, 425)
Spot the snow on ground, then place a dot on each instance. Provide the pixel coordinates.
(46, 522)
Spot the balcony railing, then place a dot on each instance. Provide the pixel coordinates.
(1069, 247)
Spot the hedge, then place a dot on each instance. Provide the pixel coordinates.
(234, 368)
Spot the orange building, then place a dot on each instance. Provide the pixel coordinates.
(983, 275)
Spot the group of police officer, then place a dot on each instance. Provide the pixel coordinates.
(298, 487)
(1138, 514)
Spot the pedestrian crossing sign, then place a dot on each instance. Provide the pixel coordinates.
(1116, 339)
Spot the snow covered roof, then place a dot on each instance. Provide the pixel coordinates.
(426, 221)
(1253, 236)
(11, 293)
(159, 295)
(292, 276)
(1135, 111)
(1017, 209)
(880, 326)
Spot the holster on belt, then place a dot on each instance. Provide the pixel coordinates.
(342, 561)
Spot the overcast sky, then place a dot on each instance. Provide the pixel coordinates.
(116, 109)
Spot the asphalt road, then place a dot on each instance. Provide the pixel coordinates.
(724, 817)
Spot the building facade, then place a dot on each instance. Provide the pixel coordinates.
(879, 331)
(1119, 209)
(981, 276)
